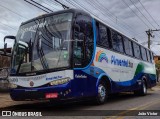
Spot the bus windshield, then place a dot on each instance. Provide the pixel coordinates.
(43, 44)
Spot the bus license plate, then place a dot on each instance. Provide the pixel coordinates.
(51, 95)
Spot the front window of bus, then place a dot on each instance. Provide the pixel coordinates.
(43, 44)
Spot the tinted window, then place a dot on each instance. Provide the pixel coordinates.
(117, 42)
(151, 55)
(137, 53)
(148, 56)
(144, 55)
(128, 47)
(83, 41)
(103, 36)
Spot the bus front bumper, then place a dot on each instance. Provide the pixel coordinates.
(59, 92)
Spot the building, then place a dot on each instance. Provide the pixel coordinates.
(5, 59)
(156, 59)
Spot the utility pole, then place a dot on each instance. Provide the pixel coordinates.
(149, 33)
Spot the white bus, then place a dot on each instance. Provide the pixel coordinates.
(70, 55)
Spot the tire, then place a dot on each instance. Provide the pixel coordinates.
(102, 93)
(143, 90)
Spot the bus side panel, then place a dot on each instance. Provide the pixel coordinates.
(84, 83)
(125, 72)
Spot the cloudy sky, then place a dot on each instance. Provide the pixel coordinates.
(131, 17)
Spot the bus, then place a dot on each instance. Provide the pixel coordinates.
(69, 55)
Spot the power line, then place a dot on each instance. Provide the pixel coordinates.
(41, 5)
(100, 10)
(150, 16)
(94, 14)
(13, 11)
(148, 13)
(36, 6)
(142, 14)
(135, 13)
(60, 3)
(82, 7)
(49, 4)
(105, 9)
(64, 6)
(8, 26)
(144, 17)
(67, 4)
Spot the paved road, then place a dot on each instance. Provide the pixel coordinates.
(120, 105)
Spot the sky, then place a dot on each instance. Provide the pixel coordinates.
(130, 17)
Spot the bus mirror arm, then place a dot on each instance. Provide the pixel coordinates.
(9, 37)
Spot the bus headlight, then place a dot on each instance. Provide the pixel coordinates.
(12, 86)
(60, 81)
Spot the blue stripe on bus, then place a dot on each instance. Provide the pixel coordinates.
(120, 83)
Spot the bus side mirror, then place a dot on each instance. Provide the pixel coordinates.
(5, 44)
(9, 37)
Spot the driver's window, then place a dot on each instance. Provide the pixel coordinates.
(78, 52)
(83, 41)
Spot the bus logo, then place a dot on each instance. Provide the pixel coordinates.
(100, 56)
(31, 83)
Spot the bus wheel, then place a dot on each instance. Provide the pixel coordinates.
(143, 90)
(102, 93)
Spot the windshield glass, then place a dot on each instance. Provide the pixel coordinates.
(43, 44)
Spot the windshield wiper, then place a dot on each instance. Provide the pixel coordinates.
(42, 57)
(40, 50)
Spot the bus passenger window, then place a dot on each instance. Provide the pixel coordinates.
(148, 55)
(137, 52)
(103, 36)
(128, 46)
(151, 56)
(144, 55)
(117, 42)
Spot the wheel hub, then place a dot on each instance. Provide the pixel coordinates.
(102, 92)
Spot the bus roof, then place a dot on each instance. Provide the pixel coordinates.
(78, 11)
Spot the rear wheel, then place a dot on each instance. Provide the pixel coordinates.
(143, 90)
(102, 93)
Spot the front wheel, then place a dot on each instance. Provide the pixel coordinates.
(102, 93)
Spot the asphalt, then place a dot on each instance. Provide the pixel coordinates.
(120, 107)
